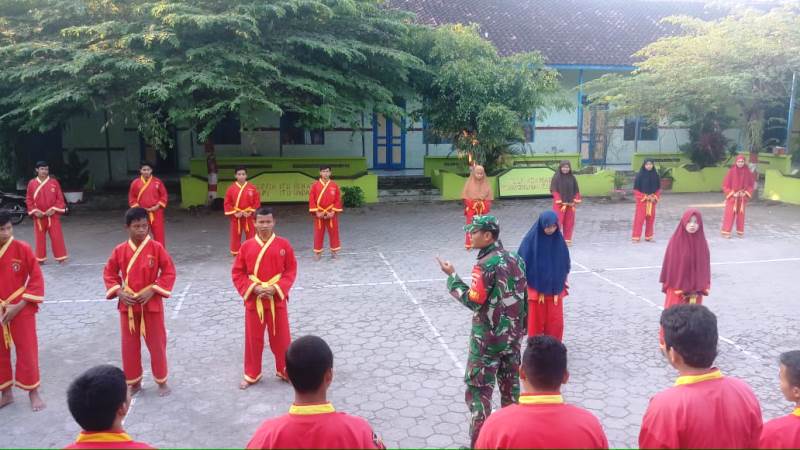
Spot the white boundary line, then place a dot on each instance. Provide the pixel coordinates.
(436, 333)
(661, 308)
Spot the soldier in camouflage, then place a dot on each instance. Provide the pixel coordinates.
(498, 299)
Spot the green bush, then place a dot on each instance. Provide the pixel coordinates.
(353, 196)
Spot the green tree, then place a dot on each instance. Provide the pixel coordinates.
(476, 98)
(741, 64)
(159, 64)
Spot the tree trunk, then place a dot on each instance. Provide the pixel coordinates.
(211, 165)
(754, 138)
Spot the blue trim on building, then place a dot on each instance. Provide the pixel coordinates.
(604, 68)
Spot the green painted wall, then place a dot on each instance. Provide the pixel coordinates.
(459, 165)
(661, 159)
(708, 179)
(598, 184)
(782, 188)
(342, 167)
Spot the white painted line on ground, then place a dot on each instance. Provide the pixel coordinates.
(720, 263)
(181, 297)
(436, 333)
(660, 308)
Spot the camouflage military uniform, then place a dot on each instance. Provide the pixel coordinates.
(498, 298)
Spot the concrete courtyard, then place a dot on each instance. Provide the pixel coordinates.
(398, 338)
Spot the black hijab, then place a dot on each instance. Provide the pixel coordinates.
(565, 185)
(647, 181)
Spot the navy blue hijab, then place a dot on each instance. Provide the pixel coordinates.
(546, 257)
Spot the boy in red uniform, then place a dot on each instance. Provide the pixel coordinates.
(312, 421)
(263, 273)
(21, 291)
(542, 419)
(325, 203)
(99, 400)
(784, 432)
(149, 192)
(704, 409)
(242, 199)
(140, 274)
(45, 203)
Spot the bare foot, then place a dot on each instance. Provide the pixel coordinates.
(135, 388)
(7, 398)
(317, 256)
(164, 390)
(283, 377)
(245, 384)
(334, 255)
(62, 261)
(37, 404)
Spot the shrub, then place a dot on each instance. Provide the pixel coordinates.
(352, 196)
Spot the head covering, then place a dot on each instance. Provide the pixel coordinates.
(483, 223)
(687, 262)
(546, 256)
(738, 178)
(565, 185)
(647, 181)
(477, 189)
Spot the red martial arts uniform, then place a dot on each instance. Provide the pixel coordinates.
(148, 194)
(315, 426)
(541, 421)
(546, 313)
(134, 269)
(645, 214)
(474, 208)
(241, 199)
(783, 432)
(106, 439)
(325, 198)
(20, 281)
(566, 214)
(703, 411)
(43, 197)
(270, 263)
(741, 181)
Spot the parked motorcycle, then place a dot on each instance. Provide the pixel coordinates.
(14, 205)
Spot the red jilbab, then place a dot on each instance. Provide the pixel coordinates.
(738, 188)
(686, 270)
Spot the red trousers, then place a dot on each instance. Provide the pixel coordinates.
(241, 228)
(674, 298)
(157, 226)
(566, 219)
(52, 225)
(23, 333)
(279, 339)
(156, 340)
(545, 314)
(332, 227)
(641, 216)
(734, 208)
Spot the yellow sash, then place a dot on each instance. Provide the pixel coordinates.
(145, 185)
(649, 199)
(8, 341)
(103, 437)
(36, 194)
(564, 206)
(271, 282)
(320, 208)
(237, 209)
(131, 322)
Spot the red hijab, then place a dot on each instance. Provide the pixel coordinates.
(687, 262)
(738, 178)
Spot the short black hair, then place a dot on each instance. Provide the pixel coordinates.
(4, 218)
(495, 233)
(238, 168)
(307, 360)
(792, 362)
(41, 164)
(134, 214)
(545, 362)
(145, 163)
(692, 331)
(265, 211)
(324, 166)
(96, 395)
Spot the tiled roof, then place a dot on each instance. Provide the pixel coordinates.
(598, 32)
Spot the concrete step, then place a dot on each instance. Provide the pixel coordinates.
(408, 195)
(404, 182)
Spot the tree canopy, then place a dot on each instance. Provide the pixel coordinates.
(741, 64)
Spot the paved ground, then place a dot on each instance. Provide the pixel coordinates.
(399, 339)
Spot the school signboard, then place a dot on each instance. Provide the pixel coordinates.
(524, 182)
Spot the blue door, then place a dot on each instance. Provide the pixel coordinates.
(388, 144)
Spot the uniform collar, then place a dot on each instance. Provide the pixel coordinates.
(310, 410)
(714, 374)
(496, 245)
(103, 436)
(541, 399)
(796, 411)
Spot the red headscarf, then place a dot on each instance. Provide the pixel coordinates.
(687, 262)
(738, 178)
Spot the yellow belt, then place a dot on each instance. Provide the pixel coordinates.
(39, 221)
(8, 341)
(319, 220)
(542, 298)
(259, 303)
(649, 200)
(131, 321)
(564, 206)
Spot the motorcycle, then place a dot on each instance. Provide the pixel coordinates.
(14, 205)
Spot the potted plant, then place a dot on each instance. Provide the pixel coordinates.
(665, 173)
(619, 182)
(75, 178)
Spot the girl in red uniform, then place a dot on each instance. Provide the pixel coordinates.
(477, 196)
(566, 196)
(738, 188)
(686, 270)
(647, 190)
